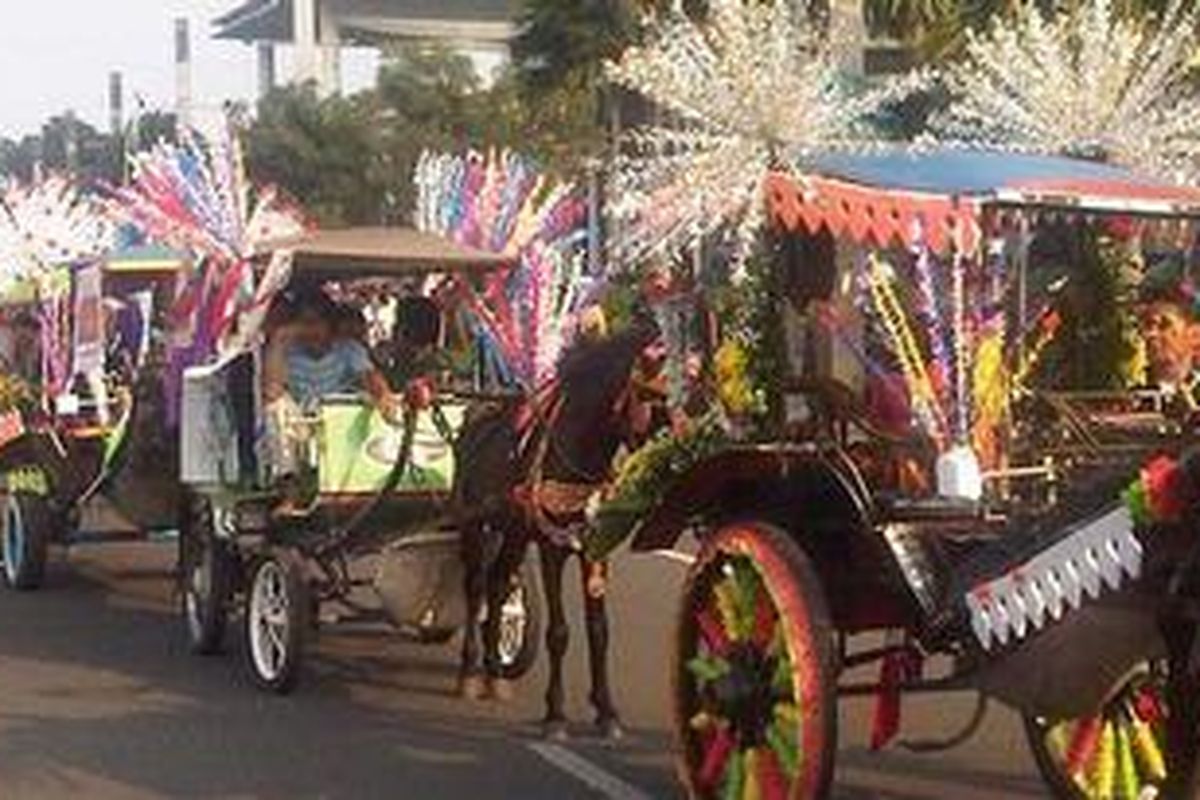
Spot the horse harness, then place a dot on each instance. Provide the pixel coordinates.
(557, 508)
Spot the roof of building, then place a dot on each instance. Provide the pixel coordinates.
(271, 20)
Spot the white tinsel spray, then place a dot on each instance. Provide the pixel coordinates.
(751, 87)
(1085, 82)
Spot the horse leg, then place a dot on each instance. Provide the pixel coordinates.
(479, 546)
(558, 636)
(499, 585)
(595, 589)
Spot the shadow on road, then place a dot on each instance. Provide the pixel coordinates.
(99, 698)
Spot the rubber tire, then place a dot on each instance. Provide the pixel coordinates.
(206, 619)
(299, 615)
(793, 583)
(35, 521)
(1061, 785)
(527, 655)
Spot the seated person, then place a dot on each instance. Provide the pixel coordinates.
(306, 361)
(1169, 327)
(413, 352)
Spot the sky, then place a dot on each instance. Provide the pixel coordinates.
(56, 55)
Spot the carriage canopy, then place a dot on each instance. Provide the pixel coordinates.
(383, 252)
(878, 196)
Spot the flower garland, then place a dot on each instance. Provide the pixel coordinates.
(644, 478)
(1160, 495)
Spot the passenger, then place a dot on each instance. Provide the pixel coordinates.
(1172, 334)
(307, 361)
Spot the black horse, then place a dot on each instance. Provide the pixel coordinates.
(525, 474)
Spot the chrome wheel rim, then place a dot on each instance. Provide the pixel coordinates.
(269, 621)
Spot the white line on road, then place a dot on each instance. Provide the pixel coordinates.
(578, 767)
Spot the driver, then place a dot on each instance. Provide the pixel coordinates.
(308, 360)
(1171, 332)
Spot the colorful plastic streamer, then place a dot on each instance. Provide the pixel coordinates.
(501, 202)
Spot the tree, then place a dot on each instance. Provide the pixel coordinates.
(322, 151)
(67, 144)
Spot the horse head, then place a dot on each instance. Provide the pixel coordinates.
(611, 394)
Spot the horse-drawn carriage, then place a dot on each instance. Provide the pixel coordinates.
(80, 377)
(371, 535)
(924, 479)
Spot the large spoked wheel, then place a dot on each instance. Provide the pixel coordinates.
(277, 620)
(28, 523)
(755, 694)
(1120, 752)
(206, 573)
(520, 626)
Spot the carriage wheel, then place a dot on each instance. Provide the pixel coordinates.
(755, 695)
(520, 626)
(28, 522)
(206, 574)
(277, 620)
(1119, 752)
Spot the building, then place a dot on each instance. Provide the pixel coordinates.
(319, 28)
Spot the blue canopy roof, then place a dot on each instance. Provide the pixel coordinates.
(957, 171)
(1007, 177)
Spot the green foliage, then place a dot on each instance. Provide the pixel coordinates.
(752, 311)
(1096, 344)
(15, 393)
(325, 152)
(350, 160)
(67, 144)
(647, 475)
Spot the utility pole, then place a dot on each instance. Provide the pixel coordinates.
(116, 103)
(183, 72)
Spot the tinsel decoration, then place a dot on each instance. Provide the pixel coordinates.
(502, 202)
(195, 196)
(752, 87)
(1084, 82)
(47, 224)
(881, 280)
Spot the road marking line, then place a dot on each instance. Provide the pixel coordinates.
(674, 555)
(588, 773)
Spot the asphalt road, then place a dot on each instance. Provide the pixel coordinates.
(99, 699)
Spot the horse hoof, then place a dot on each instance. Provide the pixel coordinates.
(610, 729)
(500, 690)
(554, 730)
(471, 687)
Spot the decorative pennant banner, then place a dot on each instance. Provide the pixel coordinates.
(88, 331)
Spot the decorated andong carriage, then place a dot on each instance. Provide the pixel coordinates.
(929, 473)
(79, 402)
